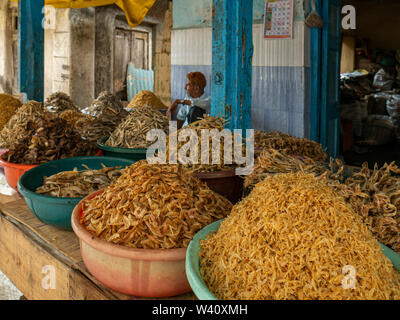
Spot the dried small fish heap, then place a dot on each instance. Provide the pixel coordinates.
(131, 133)
(8, 106)
(105, 114)
(146, 98)
(210, 123)
(72, 116)
(153, 207)
(16, 128)
(78, 184)
(289, 144)
(375, 196)
(271, 161)
(59, 102)
(291, 238)
(47, 139)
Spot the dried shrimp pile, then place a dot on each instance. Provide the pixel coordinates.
(16, 128)
(104, 115)
(289, 144)
(146, 98)
(8, 106)
(153, 207)
(59, 102)
(293, 238)
(209, 123)
(77, 184)
(131, 133)
(49, 138)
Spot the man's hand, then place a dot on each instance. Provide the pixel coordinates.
(173, 108)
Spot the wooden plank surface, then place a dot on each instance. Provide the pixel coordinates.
(28, 244)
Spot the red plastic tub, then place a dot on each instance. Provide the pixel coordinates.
(151, 273)
(13, 171)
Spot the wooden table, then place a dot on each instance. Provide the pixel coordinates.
(27, 246)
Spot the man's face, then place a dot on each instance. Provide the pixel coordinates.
(192, 90)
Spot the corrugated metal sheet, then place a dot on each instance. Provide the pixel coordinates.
(191, 47)
(194, 47)
(138, 80)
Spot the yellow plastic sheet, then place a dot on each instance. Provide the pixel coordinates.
(135, 10)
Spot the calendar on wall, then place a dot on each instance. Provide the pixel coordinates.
(278, 19)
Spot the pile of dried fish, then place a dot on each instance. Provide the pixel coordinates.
(375, 196)
(146, 98)
(271, 161)
(16, 128)
(59, 102)
(131, 133)
(295, 238)
(72, 116)
(104, 115)
(8, 106)
(78, 184)
(153, 207)
(207, 123)
(49, 138)
(289, 144)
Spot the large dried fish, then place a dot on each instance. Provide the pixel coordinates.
(132, 132)
(49, 138)
(103, 116)
(153, 207)
(77, 184)
(59, 102)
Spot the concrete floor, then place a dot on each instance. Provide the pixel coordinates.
(7, 290)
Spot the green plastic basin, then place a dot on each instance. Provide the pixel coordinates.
(192, 263)
(125, 153)
(52, 210)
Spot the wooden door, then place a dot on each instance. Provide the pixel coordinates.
(122, 57)
(140, 52)
(129, 46)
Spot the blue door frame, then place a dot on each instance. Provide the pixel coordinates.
(325, 71)
(31, 49)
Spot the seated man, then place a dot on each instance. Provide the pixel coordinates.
(196, 102)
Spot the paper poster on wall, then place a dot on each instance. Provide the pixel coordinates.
(278, 19)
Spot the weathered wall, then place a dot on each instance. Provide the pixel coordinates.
(281, 68)
(104, 40)
(162, 60)
(6, 52)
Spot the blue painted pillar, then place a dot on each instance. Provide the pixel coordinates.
(31, 49)
(232, 49)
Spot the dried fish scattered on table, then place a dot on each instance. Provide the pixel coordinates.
(16, 128)
(59, 102)
(78, 184)
(49, 138)
(8, 106)
(289, 144)
(103, 116)
(292, 238)
(153, 207)
(208, 123)
(146, 98)
(132, 132)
